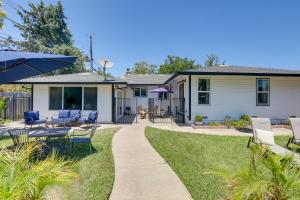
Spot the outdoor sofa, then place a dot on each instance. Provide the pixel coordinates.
(67, 116)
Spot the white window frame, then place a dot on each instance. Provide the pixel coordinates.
(140, 93)
(202, 91)
(263, 92)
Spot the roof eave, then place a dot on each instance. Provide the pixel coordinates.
(239, 74)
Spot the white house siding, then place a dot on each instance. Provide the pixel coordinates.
(141, 101)
(104, 100)
(236, 95)
(175, 85)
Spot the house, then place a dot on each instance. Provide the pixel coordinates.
(214, 92)
(219, 91)
(89, 91)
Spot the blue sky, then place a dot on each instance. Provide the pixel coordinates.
(242, 32)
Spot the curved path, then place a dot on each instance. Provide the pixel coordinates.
(140, 172)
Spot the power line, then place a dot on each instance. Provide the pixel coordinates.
(11, 36)
(14, 22)
(12, 4)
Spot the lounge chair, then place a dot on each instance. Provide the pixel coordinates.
(295, 123)
(259, 123)
(33, 118)
(263, 135)
(83, 138)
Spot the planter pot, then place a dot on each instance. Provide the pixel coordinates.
(198, 123)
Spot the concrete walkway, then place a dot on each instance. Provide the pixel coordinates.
(140, 172)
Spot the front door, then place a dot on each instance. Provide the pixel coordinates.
(181, 91)
(180, 103)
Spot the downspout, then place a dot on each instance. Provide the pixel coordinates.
(113, 111)
(31, 97)
(190, 99)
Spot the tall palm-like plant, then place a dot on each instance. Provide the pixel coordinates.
(22, 176)
(268, 177)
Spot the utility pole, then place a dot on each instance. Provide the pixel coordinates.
(91, 53)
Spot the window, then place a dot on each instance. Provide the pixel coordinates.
(262, 92)
(73, 98)
(203, 91)
(140, 92)
(55, 98)
(90, 98)
(163, 95)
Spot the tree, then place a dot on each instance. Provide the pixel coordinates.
(44, 29)
(144, 68)
(174, 63)
(212, 60)
(2, 14)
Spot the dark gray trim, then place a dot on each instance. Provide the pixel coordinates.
(143, 85)
(231, 74)
(269, 91)
(240, 74)
(81, 83)
(182, 81)
(113, 105)
(190, 98)
(32, 96)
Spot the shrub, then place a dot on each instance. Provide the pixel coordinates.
(246, 118)
(199, 118)
(268, 176)
(23, 176)
(238, 123)
(2, 103)
(227, 121)
(214, 124)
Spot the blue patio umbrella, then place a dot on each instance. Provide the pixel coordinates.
(16, 65)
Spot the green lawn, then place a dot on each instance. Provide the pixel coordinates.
(96, 170)
(193, 156)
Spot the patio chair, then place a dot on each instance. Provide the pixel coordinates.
(259, 123)
(295, 123)
(81, 138)
(91, 119)
(33, 118)
(19, 136)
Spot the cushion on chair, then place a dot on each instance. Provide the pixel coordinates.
(93, 115)
(75, 114)
(81, 140)
(31, 116)
(63, 114)
(40, 121)
(265, 137)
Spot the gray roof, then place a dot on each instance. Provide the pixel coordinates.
(87, 77)
(231, 69)
(145, 79)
